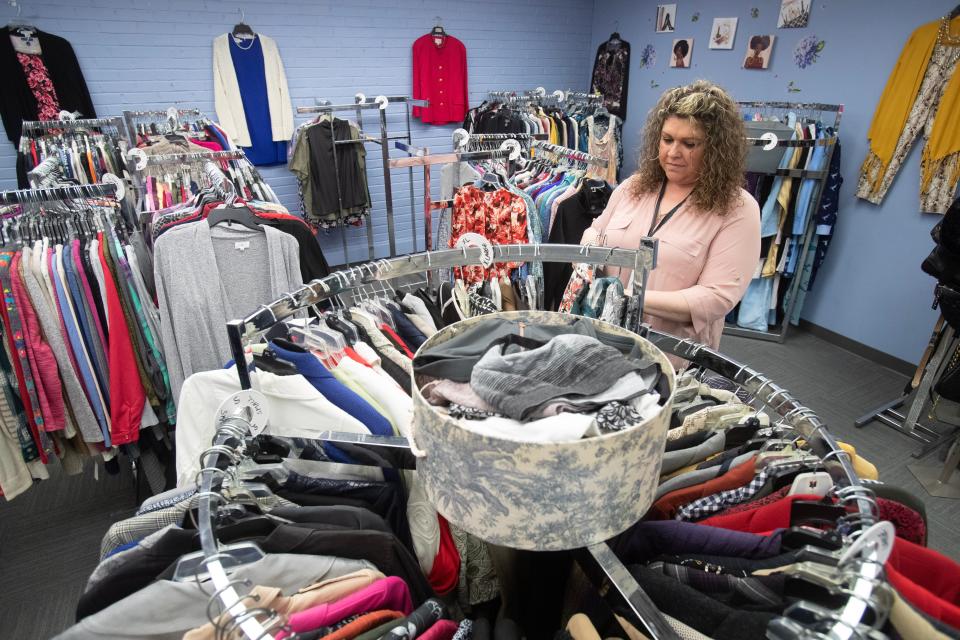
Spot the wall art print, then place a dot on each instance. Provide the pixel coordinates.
(722, 33)
(666, 18)
(807, 51)
(648, 57)
(682, 52)
(759, 50)
(794, 14)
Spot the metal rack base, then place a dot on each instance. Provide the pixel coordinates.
(909, 424)
(941, 482)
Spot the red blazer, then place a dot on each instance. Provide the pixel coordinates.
(440, 76)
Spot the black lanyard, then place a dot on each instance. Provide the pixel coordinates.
(654, 226)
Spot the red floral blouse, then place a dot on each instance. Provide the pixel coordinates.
(500, 216)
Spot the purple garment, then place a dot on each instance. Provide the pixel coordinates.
(646, 540)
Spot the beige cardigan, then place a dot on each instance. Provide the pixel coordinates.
(227, 92)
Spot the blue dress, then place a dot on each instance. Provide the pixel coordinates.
(252, 80)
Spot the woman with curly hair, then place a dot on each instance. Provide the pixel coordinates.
(687, 193)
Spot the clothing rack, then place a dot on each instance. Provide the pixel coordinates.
(421, 157)
(779, 333)
(381, 103)
(598, 562)
(50, 194)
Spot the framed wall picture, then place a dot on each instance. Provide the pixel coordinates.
(794, 14)
(722, 33)
(681, 53)
(759, 50)
(666, 18)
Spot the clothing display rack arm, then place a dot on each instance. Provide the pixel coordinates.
(381, 103)
(194, 156)
(779, 333)
(572, 154)
(49, 194)
(79, 123)
(174, 114)
(598, 562)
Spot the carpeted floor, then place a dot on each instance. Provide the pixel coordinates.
(50, 536)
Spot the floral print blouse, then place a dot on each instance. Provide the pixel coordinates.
(500, 216)
(38, 79)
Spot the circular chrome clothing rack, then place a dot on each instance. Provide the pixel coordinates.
(862, 575)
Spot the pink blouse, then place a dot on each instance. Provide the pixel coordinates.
(389, 593)
(708, 258)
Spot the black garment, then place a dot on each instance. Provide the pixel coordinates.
(16, 100)
(687, 442)
(611, 74)
(382, 549)
(431, 306)
(419, 620)
(97, 309)
(313, 264)
(448, 309)
(386, 499)
(574, 216)
(352, 184)
(412, 336)
(700, 611)
(499, 120)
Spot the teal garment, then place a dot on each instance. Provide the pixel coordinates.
(593, 302)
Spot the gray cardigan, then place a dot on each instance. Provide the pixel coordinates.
(196, 291)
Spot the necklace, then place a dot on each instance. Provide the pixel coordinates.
(943, 34)
(237, 41)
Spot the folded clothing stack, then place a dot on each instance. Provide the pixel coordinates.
(541, 382)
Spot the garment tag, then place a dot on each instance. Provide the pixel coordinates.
(815, 483)
(241, 245)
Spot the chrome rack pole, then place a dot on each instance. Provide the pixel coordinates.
(230, 432)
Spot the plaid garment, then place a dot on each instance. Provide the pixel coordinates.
(709, 505)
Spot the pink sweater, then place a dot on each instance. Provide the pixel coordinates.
(708, 258)
(388, 593)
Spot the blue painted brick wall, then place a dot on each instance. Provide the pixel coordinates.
(146, 54)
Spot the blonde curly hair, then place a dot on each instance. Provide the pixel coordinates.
(725, 150)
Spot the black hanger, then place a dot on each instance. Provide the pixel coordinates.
(243, 29)
(240, 214)
(615, 37)
(955, 12)
(816, 513)
(270, 362)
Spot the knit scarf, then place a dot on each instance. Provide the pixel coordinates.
(895, 104)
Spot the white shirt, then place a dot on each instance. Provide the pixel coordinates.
(295, 409)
